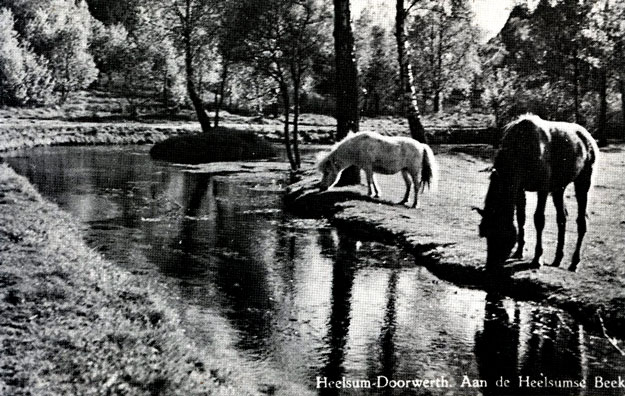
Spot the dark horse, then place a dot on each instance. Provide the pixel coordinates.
(542, 156)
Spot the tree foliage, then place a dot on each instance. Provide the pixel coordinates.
(24, 77)
(445, 43)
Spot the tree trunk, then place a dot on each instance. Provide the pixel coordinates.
(621, 86)
(222, 89)
(197, 102)
(347, 116)
(406, 77)
(576, 88)
(603, 109)
(165, 90)
(439, 72)
(284, 90)
(296, 156)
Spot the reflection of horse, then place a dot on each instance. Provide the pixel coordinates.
(542, 156)
(373, 152)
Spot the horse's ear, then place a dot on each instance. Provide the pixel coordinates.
(478, 210)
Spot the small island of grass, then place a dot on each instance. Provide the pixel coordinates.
(221, 144)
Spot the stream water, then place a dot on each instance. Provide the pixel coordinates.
(301, 297)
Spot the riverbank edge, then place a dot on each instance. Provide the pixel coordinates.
(350, 210)
(73, 323)
(53, 133)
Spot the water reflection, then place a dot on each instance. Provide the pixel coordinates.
(340, 312)
(302, 296)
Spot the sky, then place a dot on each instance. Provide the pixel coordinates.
(490, 15)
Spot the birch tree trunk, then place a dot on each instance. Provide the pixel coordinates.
(406, 78)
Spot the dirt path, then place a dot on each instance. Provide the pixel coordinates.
(445, 231)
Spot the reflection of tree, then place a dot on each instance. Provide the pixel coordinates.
(180, 253)
(387, 338)
(496, 345)
(340, 314)
(552, 350)
(195, 187)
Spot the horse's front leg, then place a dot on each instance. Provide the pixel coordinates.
(371, 182)
(558, 201)
(539, 222)
(520, 219)
(406, 176)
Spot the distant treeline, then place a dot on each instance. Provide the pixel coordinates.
(561, 59)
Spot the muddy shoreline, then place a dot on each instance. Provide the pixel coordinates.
(443, 237)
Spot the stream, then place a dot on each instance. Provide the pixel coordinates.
(304, 298)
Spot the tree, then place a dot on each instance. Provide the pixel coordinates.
(406, 77)
(500, 88)
(280, 39)
(379, 72)
(347, 112)
(24, 77)
(192, 26)
(606, 35)
(558, 43)
(444, 36)
(60, 31)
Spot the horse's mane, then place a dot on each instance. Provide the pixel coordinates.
(324, 157)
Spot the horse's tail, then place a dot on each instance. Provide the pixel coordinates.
(429, 169)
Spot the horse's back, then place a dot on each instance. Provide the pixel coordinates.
(385, 154)
(548, 154)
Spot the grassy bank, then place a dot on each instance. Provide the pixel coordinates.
(444, 230)
(73, 323)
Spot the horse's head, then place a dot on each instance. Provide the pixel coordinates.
(497, 225)
(330, 171)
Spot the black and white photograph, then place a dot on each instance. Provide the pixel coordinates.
(312, 197)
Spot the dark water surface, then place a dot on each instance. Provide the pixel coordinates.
(304, 298)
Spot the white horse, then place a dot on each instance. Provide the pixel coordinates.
(386, 155)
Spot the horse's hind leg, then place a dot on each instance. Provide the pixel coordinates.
(582, 185)
(415, 185)
(408, 182)
(520, 219)
(539, 222)
(558, 201)
(369, 173)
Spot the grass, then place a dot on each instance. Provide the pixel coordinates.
(444, 229)
(73, 323)
(220, 144)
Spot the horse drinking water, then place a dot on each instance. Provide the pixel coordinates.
(542, 156)
(373, 152)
